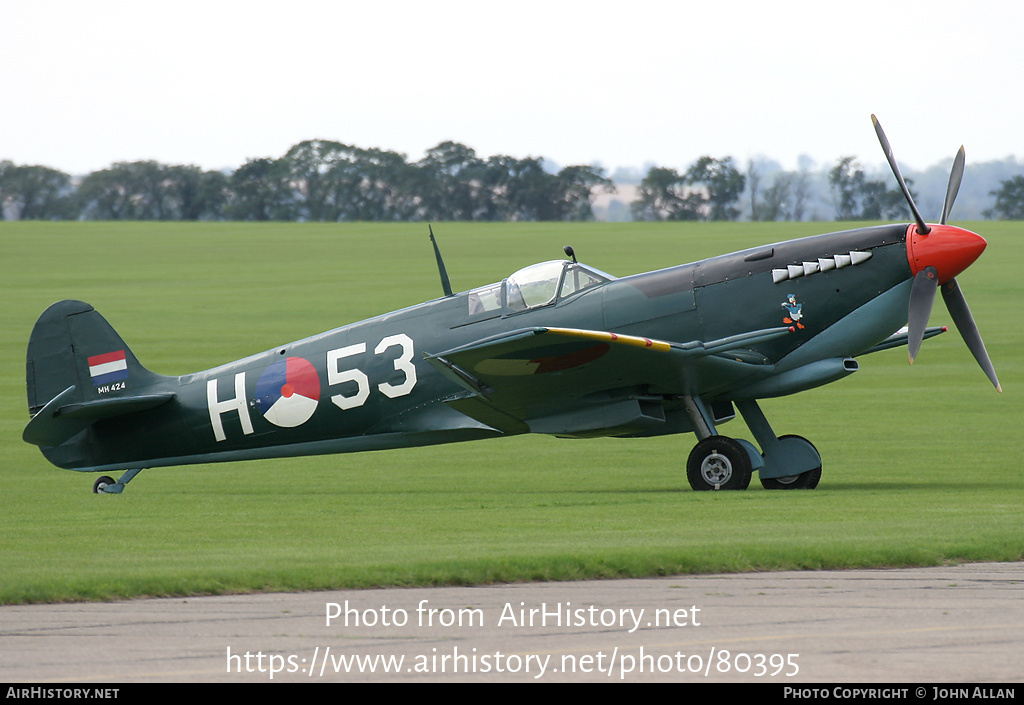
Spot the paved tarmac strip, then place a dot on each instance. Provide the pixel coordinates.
(962, 623)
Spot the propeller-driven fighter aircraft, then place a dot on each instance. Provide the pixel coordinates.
(558, 348)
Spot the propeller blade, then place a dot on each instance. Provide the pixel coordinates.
(957, 306)
(955, 175)
(922, 227)
(922, 296)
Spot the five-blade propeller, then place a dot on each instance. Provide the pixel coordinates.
(927, 277)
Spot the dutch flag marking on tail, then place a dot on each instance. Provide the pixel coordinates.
(112, 367)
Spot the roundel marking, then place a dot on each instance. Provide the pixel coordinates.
(287, 393)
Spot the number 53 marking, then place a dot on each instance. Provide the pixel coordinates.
(336, 374)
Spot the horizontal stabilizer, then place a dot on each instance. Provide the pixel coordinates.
(60, 420)
(115, 406)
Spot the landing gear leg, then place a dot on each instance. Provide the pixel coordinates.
(716, 462)
(790, 462)
(106, 485)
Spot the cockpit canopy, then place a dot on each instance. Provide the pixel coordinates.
(540, 284)
(537, 285)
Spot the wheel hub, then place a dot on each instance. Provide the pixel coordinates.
(716, 468)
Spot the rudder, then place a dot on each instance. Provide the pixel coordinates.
(72, 344)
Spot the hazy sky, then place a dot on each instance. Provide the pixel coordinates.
(217, 82)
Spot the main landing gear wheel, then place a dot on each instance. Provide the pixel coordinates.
(97, 487)
(804, 481)
(718, 463)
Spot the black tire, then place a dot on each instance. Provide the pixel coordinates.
(97, 487)
(804, 481)
(718, 463)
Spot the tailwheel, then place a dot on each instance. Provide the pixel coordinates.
(100, 486)
(807, 480)
(107, 485)
(718, 463)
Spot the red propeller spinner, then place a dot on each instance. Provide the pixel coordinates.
(947, 248)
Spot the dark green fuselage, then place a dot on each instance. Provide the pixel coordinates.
(374, 387)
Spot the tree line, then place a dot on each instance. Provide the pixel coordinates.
(711, 189)
(316, 180)
(326, 181)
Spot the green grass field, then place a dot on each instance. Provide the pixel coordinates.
(922, 464)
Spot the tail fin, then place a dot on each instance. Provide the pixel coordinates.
(79, 370)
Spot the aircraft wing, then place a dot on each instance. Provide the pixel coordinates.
(902, 336)
(552, 380)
